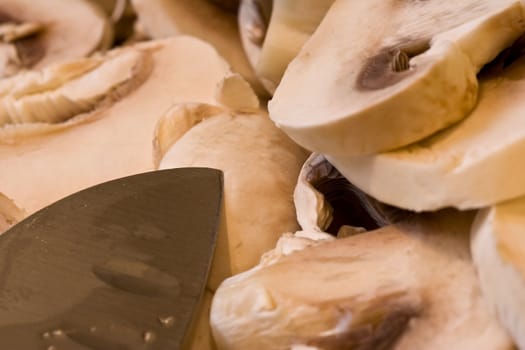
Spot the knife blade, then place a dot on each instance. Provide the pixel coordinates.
(121, 265)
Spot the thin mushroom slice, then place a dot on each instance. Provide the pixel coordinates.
(377, 75)
(407, 286)
(34, 34)
(10, 214)
(201, 19)
(473, 163)
(117, 140)
(57, 95)
(498, 249)
(273, 41)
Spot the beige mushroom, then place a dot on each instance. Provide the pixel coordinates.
(10, 214)
(469, 165)
(377, 75)
(407, 286)
(260, 165)
(35, 34)
(202, 19)
(112, 141)
(498, 251)
(272, 42)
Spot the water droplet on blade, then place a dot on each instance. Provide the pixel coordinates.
(137, 277)
(167, 321)
(149, 337)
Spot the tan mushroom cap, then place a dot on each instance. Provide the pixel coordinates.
(498, 249)
(117, 141)
(472, 164)
(409, 286)
(70, 29)
(377, 75)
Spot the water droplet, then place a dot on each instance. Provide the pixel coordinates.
(167, 321)
(46, 335)
(57, 333)
(137, 277)
(149, 337)
(93, 329)
(52, 347)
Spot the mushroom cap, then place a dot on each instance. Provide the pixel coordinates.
(498, 253)
(377, 75)
(408, 286)
(116, 141)
(64, 21)
(473, 163)
(260, 165)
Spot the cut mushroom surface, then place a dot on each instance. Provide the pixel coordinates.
(35, 34)
(202, 19)
(116, 141)
(498, 249)
(377, 75)
(260, 165)
(10, 214)
(470, 165)
(408, 286)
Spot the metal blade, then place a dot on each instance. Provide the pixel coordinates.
(121, 265)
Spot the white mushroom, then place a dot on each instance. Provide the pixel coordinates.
(36, 33)
(498, 250)
(377, 75)
(408, 286)
(260, 165)
(114, 141)
(470, 165)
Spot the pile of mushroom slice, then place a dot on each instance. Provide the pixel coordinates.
(417, 105)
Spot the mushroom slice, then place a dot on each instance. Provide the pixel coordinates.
(408, 286)
(280, 39)
(260, 165)
(473, 163)
(498, 250)
(36, 33)
(202, 19)
(377, 75)
(115, 141)
(54, 99)
(10, 214)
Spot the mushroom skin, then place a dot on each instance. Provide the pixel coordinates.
(498, 249)
(361, 102)
(424, 293)
(260, 165)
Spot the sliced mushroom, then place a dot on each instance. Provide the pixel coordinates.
(58, 94)
(202, 19)
(377, 75)
(498, 251)
(10, 214)
(260, 165)
(117, 140)
(35, 34)
(408, 286)
(122, 17)
(470, 165)
(280, 37)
